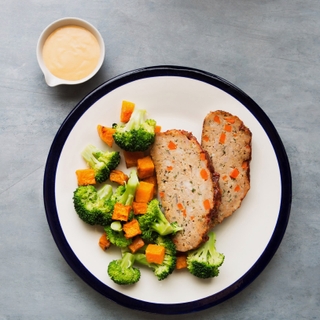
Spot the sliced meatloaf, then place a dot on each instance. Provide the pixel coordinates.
(186, 185)
(228, 143)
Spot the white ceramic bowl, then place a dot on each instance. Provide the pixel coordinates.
(52, 80)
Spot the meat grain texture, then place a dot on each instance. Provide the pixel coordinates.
(228, 143)
(187, 186)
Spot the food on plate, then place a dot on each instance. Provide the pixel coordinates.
(154, 222)
(160, 213)
(228, 143)
(205, 261)
(122, 271)
(137, 134)
(164, 269)
(106, 134)
(91, 204)
(102, 162)
(186, 186)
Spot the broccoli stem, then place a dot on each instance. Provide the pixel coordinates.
(137, 117)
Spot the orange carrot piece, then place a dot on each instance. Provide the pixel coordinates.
(136, 244)
(203, 156)
(222, 139)
(139, 207)
(131, 229)
(121, 212)
(145, 167)
(205, 138)
(131, 158)
(228, 128)
(144, 192)
(244, 165)
(161, 194)
(172, 145)
(157, 129)
(234, 173)
(237, 188)
(106, 134)
(118, 176)
(230, 119)
(169, 168)
(181, 261)
(104, 242)
(206, 204)
(127, 108)
(182, 208)
(204, 174)
(216, 119)
(155, 253)
(85, 177)
(224, 178)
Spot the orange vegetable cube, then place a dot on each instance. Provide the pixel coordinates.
(106, 134)
(153, 180)
(139, 207)
(127, 108)
(181, 261)
(85, 177)
(155, 253)
(104, 242)
(157, 129)
(131, 158)
(144, 192)
(121, 212)
(118, 177)
(145, 167)
(234, 173)
(136, 244)
(131, 229)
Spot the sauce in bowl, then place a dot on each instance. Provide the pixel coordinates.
(71, 52)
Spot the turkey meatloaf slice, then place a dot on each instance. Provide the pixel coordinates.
(186, 185)
(228, 143)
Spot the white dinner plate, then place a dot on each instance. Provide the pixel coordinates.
(177, 98)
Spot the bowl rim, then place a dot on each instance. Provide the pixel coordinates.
(51, 79)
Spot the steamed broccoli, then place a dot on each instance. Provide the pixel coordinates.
(122, 271)
(168, 265)
(154, 222)
(91, 204)
(103, 162)
(125, 194)
(137, 134)
(117, 238)
(204, 262)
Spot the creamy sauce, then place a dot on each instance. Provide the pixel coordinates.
(71, 52)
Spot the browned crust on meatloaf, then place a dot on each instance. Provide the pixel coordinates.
(234, 152)
(179, 159)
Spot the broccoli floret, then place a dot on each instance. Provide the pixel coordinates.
(137, 134)
(154, 222)
(117, 238)
(126, 195)
(162, 271)
(122, 271)
(204, 262)
(102, 162)
(91, 204)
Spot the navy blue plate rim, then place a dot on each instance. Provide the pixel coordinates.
(52, 214)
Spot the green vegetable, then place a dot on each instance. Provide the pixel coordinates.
(122, 271)
(204, 262)
(117, 238)
(102, 162)
(154, 222)
(137, 134)
(161, 271)
(91, 204)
